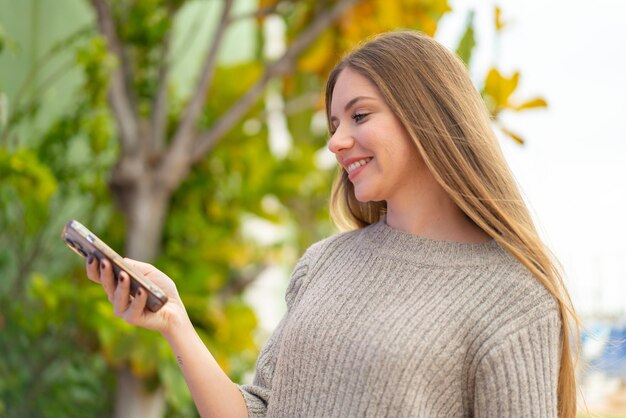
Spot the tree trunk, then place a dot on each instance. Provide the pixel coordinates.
(141, 189)
(146, 213)
(133, 400)
(145, 209)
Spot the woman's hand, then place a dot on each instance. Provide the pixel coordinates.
(212, 390)
(133, 309)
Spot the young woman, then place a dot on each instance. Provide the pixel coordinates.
(441, 300)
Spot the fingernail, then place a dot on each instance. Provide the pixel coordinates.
(90, 259)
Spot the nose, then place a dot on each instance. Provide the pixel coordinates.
(340, 140)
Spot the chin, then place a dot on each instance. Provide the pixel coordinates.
(364, 196)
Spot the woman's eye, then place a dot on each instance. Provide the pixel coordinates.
(358, 117)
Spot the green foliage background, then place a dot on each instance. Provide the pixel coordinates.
(61, 343)
(59, 339)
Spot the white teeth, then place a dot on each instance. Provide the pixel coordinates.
(357, 164)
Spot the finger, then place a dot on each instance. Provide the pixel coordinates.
(121, 296)
(92, 267)
(137, 306)
(139, 266)
(106, 278)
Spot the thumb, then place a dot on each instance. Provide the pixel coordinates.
(139, 266)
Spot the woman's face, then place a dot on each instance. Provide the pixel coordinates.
(371, 144)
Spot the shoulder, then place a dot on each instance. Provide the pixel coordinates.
(524, 295)
(318, 251)
(517, 331)
(518, 372)
(517, 303)
(314, 258)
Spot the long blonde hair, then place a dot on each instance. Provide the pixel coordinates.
(429, 90)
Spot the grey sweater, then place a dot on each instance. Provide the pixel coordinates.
(383, 323)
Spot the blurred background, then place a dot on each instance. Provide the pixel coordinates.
(191, 134)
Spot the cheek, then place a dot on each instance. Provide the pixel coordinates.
(398, 146)
(407, 156)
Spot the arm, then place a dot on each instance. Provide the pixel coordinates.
(213, 392)
(519, 376)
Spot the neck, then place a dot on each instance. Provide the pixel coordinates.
(431, 213)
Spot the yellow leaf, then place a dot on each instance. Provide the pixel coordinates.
(500, 88)
(500, 24)
(441, 7)
(531, 104)
(223, 361)
(427, 24)
(316, 59)
(389, 13)
(264, 6)
(513, 135)
(433, 7)
(355, 22)
(266, 3)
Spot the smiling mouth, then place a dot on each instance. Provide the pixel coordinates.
(357, 164)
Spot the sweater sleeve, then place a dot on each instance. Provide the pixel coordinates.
(257, 395)
(519, 376)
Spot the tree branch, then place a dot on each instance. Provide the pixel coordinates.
(119, 92)
(240, 282)
(184, 153)
(25, 264)
(26, 105)
(187, 39)
(42, 62)
(296, 105)
(208, 140)
(38, 92)
(260, 12)
(160, 104)
(183, 137)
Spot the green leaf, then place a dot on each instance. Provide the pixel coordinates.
(468, 42)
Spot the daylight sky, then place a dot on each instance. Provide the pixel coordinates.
(573, 168)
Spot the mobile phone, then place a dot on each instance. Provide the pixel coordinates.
(84, 243)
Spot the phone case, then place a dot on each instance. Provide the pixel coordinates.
(84, 242)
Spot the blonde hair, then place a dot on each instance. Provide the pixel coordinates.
(429, 90)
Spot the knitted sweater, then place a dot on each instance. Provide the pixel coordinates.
(383, 323)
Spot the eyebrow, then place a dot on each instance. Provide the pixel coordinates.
(356, 99)
(351, 103)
